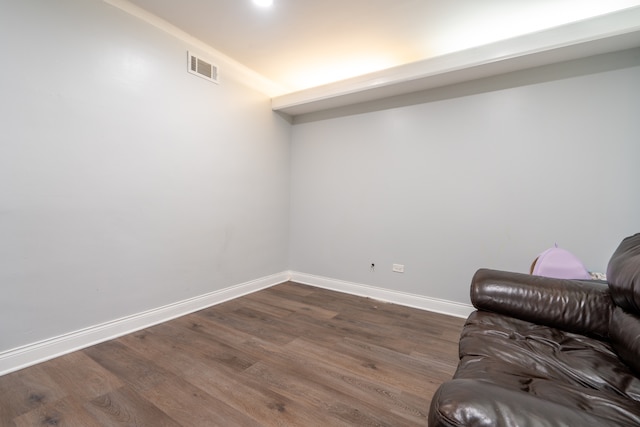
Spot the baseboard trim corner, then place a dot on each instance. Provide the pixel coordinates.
(31, 354)
(422, 302)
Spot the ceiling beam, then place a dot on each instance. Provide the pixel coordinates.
(603, 34)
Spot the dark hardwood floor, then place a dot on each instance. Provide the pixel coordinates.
(290, 355)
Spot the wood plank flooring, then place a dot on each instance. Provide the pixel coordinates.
(290, 355)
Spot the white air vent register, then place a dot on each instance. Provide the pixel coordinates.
(202, 68)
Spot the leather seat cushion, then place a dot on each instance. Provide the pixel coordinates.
(573, 370)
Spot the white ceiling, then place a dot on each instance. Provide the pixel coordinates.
(299, 44)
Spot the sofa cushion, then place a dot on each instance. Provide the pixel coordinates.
(565, 368)
(623, 274)
(466, 402)
(625, 337)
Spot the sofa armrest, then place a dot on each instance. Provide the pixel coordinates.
(579, 306)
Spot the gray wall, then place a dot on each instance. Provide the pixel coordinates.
(486, 174)
(125, 182)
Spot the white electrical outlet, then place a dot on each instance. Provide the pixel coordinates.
(398, 268)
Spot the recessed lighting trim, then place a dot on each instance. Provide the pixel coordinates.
(263, 3)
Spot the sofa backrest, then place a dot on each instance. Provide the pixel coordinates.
(623, 275)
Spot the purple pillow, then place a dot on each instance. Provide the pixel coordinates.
(559, 263)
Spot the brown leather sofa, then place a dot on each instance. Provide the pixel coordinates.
(549, 352)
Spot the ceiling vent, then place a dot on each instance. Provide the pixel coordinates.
(202, 68)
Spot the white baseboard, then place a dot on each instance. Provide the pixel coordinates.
(18, 358)
(451, 308)
(22, 357)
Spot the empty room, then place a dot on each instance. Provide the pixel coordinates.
(333, 213)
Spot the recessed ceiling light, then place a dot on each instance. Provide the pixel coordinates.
(263, 3)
